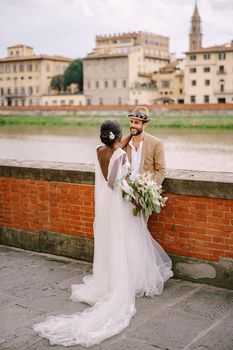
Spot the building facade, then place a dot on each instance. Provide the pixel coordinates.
(169, 82)
(119, 69)
(25, 77)
(208, 71)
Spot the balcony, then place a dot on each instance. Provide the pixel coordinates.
(22, 95)
(225, 92)
(221, 72)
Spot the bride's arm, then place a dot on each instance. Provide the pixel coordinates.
(124, 142)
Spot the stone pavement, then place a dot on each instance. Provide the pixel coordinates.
(186, 316)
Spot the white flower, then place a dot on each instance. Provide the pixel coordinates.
(111, 135)
(144, 193)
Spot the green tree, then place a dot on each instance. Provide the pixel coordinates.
(57, 83)
(74, 74)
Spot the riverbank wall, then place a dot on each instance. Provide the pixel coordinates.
(166, 110)
(49, 208)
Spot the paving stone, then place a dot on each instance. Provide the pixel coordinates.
(170, 329)
(209, 302)
(220, 337)
(34, 286)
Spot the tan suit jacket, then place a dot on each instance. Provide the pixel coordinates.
(153, 159)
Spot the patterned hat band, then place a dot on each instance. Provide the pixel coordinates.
(139, 116)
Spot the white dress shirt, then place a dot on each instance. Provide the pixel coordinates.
(136, 156)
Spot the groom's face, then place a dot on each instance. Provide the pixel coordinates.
(136, 126)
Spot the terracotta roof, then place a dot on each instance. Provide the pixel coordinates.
(99, 56)
(34, 57)
(18, 46)
(216, 48)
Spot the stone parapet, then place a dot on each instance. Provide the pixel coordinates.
(49, 207)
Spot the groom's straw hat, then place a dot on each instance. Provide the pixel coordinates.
(140, 113)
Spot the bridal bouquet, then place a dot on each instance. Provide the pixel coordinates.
(143, 193)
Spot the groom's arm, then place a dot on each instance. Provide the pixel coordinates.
(124, 142)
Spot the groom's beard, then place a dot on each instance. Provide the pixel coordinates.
(135, 132)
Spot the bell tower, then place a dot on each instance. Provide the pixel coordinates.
(195, 36)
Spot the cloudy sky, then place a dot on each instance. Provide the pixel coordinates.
(68, 27)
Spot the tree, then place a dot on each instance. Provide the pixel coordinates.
(74, 74)
(57, 83)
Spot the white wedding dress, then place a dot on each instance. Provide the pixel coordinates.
(128, 262)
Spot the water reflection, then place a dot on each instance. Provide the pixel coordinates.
(185, 148)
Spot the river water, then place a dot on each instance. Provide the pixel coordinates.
(190, 149)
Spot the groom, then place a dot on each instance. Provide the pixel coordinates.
(145, 152)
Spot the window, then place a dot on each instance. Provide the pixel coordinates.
(207, 82)
(1, 68)
(7, 68)
(193, 57)
(222, 56)
(88, 85)
(101, 101)
(206, 99)
(124, 83)
(206, 69)
(71, 102)
(165, 84)
(16, 91)
(192, 70)
(15, 68)
(206, 56)
(21, 68)
(222, 82)
(193, 82)
(193, 99)
(1, 92)
(54, 102)
(114, 83)
(22, 91)
(58, 68)
(181, 91)
(97, 84)
(47, 67)
(106, 84)
(88, 101)
(63, 102)
(30, 90)
(29, 67)
(221, 70)
(119, 101)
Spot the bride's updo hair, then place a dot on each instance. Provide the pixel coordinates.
(110, 132)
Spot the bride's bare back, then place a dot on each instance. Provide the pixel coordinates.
(104, 155)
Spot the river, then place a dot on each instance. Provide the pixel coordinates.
(190, 149)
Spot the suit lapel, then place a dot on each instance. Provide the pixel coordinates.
(143, 152)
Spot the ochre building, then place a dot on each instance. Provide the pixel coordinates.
(119, 69)
(25, 77)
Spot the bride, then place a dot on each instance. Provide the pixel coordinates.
(128, 262)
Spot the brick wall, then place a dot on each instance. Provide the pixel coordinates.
(196, 226)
